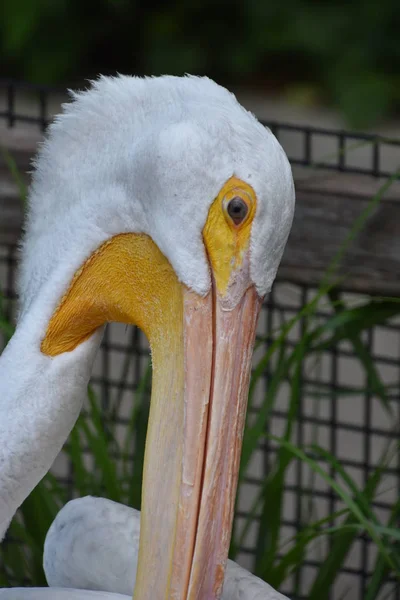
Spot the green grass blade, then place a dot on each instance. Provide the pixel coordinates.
(341, 546)
(52, 484)
(292, 559)
(5, 326)
(18, 566)
(253, 433)
(271, 516)
(140, 430)
(359, 497)
(38, 512)
(98, 443)
(136, 434)
(15, 173)
(352, 321)
(84, 481)
(7, 329)
(353, 507)
(319, 390)
(360, 350)
(380, 570)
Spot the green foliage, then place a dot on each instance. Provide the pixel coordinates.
(344, 52)
(16, 175)
(276, 558)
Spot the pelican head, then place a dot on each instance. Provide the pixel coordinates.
(162, 203)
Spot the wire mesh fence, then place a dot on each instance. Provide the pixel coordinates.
(336, 406)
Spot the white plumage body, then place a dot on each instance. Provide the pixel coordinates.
(93, 544)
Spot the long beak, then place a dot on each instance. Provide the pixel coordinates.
(201, 350)
(193, 447)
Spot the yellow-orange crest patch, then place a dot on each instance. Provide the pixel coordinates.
(127, 280)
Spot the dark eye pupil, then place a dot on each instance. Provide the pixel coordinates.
(237, 210)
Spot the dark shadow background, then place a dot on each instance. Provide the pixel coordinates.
(342, 53)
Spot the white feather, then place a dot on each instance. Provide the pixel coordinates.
(93, 544)
(57, 594)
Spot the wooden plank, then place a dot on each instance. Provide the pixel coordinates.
(323, 221)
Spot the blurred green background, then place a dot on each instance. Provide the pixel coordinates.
(340, 53)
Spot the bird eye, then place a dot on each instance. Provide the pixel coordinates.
(237, 210)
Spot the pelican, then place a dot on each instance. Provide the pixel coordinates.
(159, 202)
